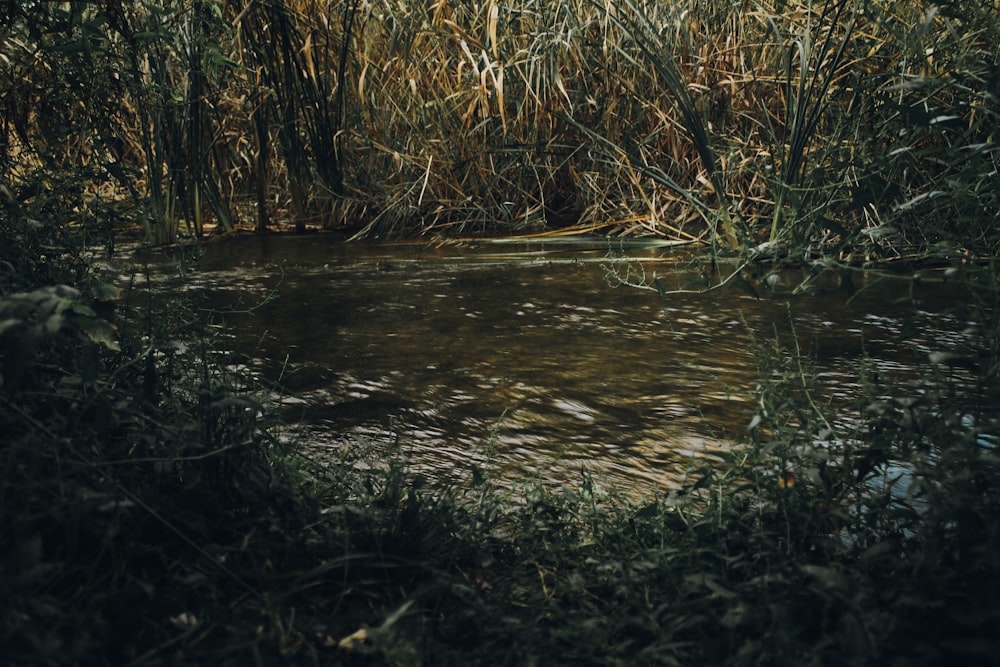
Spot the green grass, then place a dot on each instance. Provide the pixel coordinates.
(151, 518)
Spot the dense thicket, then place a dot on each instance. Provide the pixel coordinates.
(829, 122)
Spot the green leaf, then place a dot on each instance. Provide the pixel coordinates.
(659, 287)
(82, 309)
(9, 324)
(740, 282)
(101, 332)
(826, 576)
(650, 511)
(877, 550)
(105, 292)
(150, 35)
(478, 479)
(53, 323)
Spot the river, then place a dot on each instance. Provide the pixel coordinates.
(525, 360)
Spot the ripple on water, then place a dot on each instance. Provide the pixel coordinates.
(534, 368)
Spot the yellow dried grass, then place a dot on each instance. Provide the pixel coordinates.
(518, 114)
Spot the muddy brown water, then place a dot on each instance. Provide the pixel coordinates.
(523, 359)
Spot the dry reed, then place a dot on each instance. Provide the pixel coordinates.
(728, 122)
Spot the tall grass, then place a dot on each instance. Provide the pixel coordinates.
(731, 123)
(818, 55)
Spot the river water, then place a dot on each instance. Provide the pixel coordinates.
(524, 359)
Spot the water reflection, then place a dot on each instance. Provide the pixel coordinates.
(527, 357)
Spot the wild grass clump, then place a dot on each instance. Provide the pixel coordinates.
(123, 482)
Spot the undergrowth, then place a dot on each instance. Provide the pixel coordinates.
(151, 517)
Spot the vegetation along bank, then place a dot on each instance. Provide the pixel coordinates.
(150, 514)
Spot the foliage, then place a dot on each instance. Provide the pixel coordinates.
(838, 127)
(149, 514)
(152, 518)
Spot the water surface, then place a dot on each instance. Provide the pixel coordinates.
(526, 359)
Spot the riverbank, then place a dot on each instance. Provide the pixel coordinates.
(153, 516)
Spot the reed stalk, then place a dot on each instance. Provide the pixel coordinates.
(812, 65)
(735, 123)
(660, 52)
